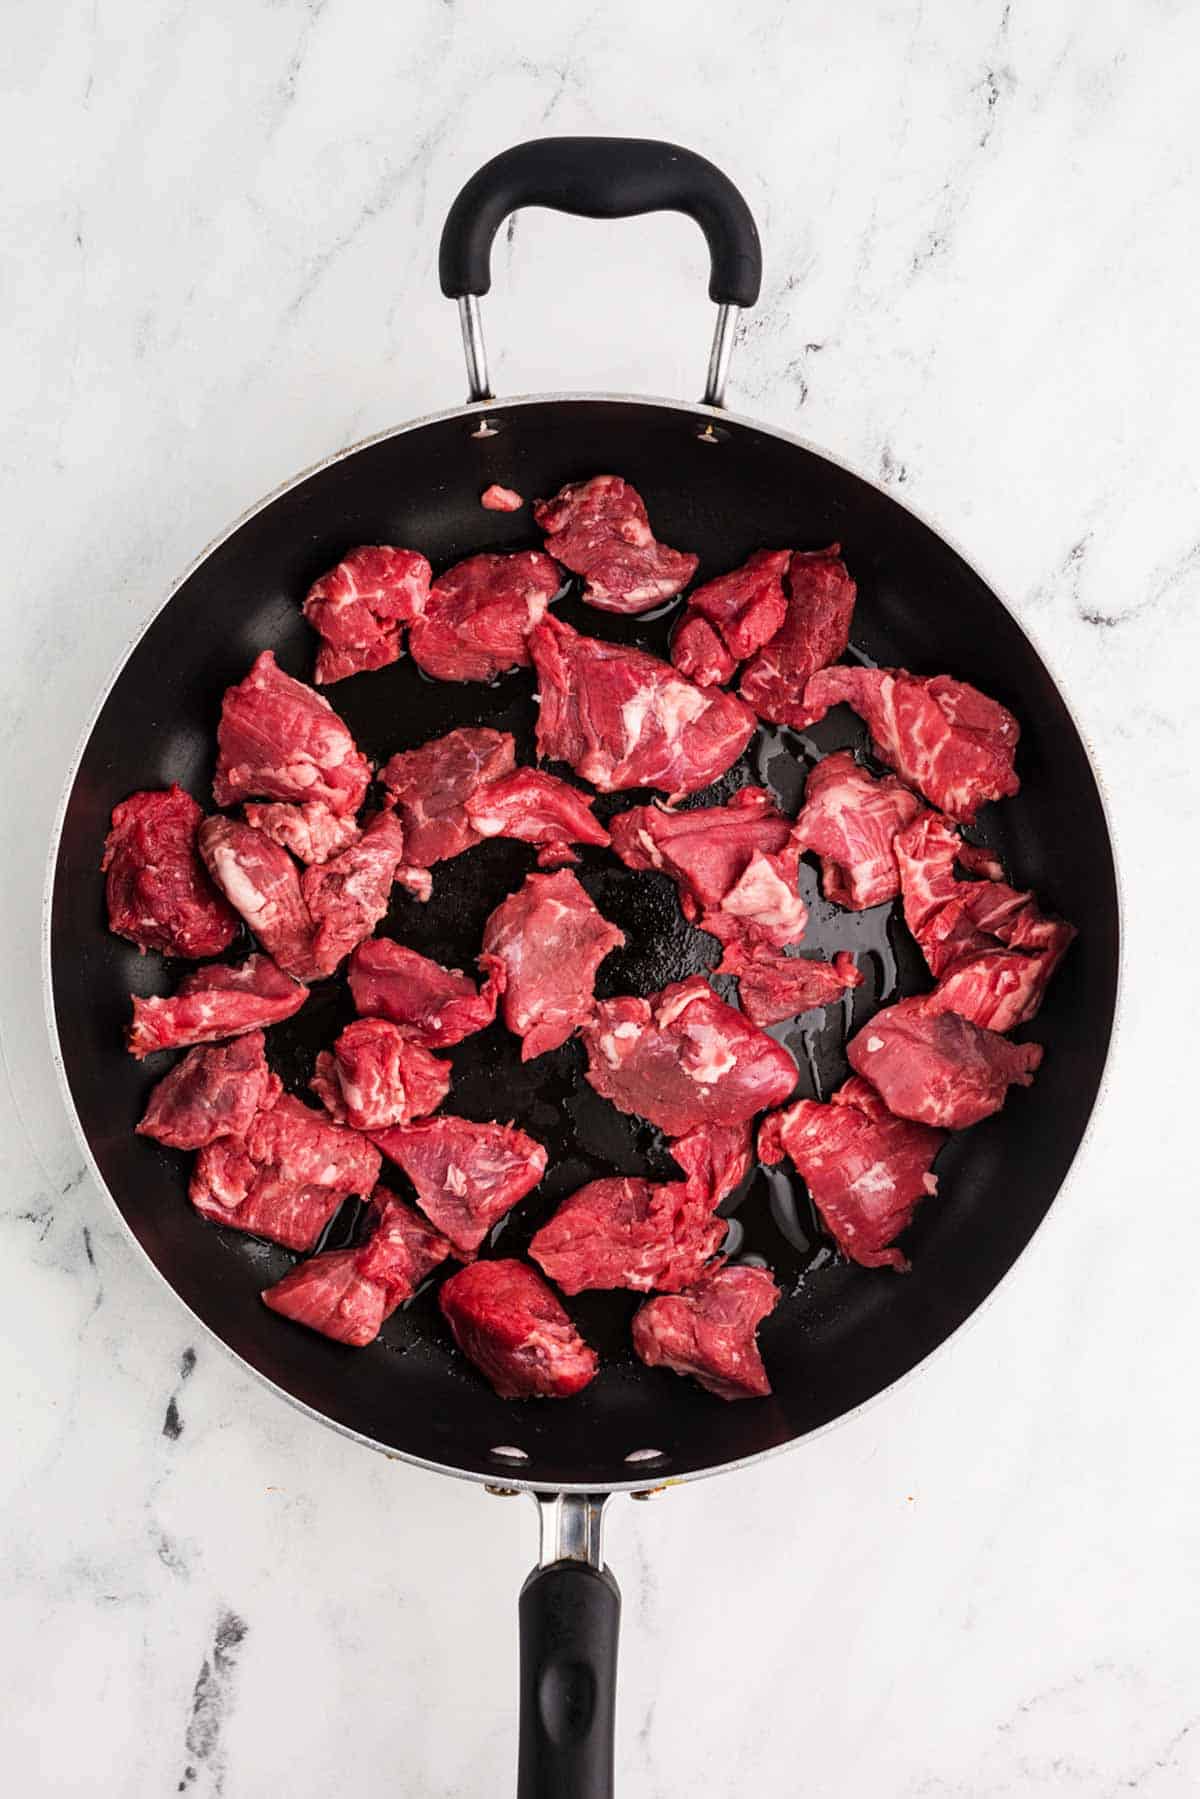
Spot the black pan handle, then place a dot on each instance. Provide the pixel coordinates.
(600, 178)
(570, 1613)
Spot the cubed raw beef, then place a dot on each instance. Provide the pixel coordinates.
(480, 613)
(500, 499)
(467, 1175)
(623, 719)
(814, 632)
(312, 832)
(432, 1005)
(215, 1002)
(715, 1157)
(866, 1171)
(212, 1093)
(547, 940)
(508, 1322)
(158, 893)
(359, 607)
(279, 740)
(773, 986)
(287, 1177)
(736, 865)
(348, 895)
(684, 1058)
(709, 1331)
(940, 735)
(938, 1068)
(374, 1076)
(625, 1232)
(261, 881)
(728, 619)
(599, 529)
(535, 807)
(430, 787)
(851, 818)
(402, 1248)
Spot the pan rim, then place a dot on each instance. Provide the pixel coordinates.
(506, 1474)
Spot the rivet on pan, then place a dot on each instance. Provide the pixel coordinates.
(486, 428)
(712, 434)
(503, 1492)
(650, 1492)
(646, 1455)
(509, 1452)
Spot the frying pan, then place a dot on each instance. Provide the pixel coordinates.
(722, 486)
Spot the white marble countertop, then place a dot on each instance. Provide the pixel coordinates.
(980, 225)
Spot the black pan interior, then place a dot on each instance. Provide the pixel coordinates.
(842, 1333)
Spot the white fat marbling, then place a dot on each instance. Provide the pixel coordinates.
(220, 225)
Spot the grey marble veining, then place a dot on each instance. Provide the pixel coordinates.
(218, 252)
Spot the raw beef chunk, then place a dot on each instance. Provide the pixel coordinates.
(715, 1158)
(684, 1058)
(709, 1331)
(286, 1178)
(432, 1005)
(623, 719)
(158, 893)
(500, 499)
(262, 883)
(430, 788)
(480, 614)
(547, 939)
(347, 897)
(467, 1175)
(938, 1068)
(991, 947)
(374, 1076)
(599, 529)
(772, 986)
(278, 740)
(215, 1002)
(735, 865)
(359, 607)
(312, 832)
(348, 1293)
(212, 1093)
(729, 618)
(865, 1170)
(814, 633)
(941, 736)
(850, 818)
(508, 1322)
(535, 807)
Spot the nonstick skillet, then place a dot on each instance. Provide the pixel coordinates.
(722, 486)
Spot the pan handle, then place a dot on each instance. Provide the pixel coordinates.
(600, 178)
(570, 1611)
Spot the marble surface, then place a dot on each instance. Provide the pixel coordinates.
(219, 236)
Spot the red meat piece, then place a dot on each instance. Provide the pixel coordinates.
(684, 1058)
(215, 1002)
(261, 881)
(359, 607)
(374, 1076)
(508, 1322)
(547, 940)
(286, 1178)
(865, 1170)
(158, 893)
(729, 618)
(599, 529)
(735, 865)
(850, 818)
(715, 1158)
(772, 986)
(500, 499)
(430, 787)
(623, 719)
(278, 740)
(709, 1331)
(402, 1249)
(535, 807)
(991, 946)
(467, 1175)
(815, 632)
(347, 897)
(432, 1005)
(940, 735)
(938, 1068)
(212, 1093)
(480, 614)
(312, 832)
